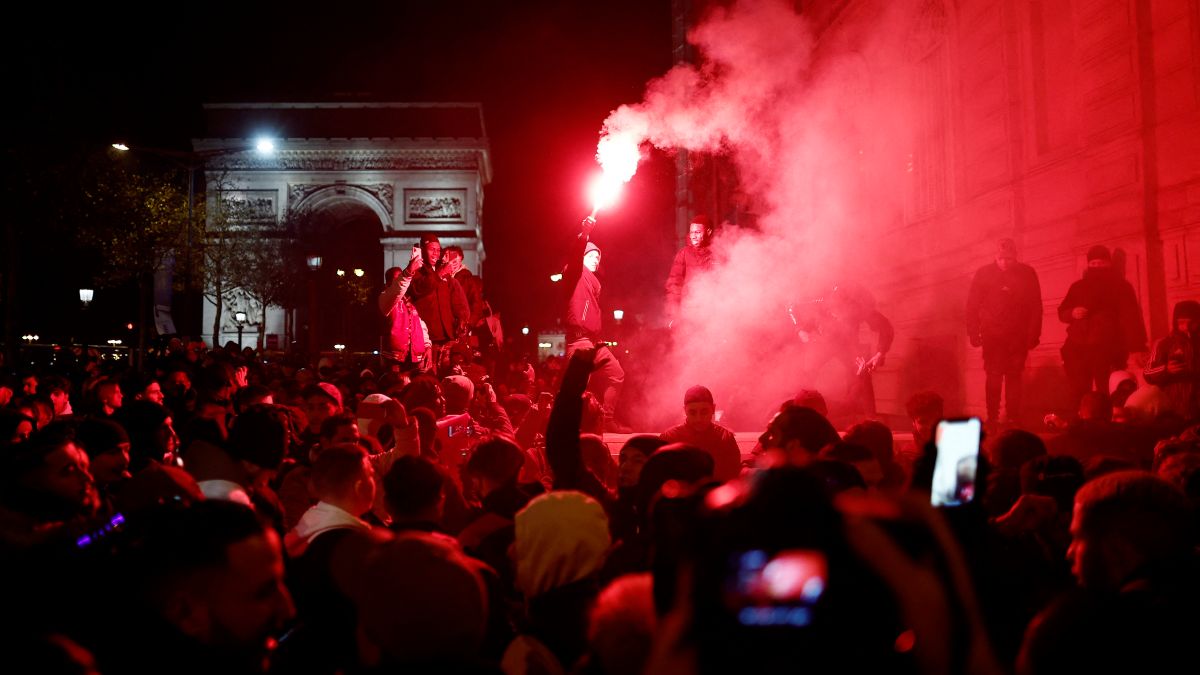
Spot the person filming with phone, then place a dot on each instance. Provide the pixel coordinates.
(406, 337)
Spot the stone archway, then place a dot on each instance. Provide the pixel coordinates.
(344, 227)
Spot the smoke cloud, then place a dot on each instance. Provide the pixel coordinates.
(814, 133)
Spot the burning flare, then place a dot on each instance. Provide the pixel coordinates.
(618, 155)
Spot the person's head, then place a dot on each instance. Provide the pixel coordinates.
(808, 398)
(1187, 317)
(433, 613)
(48, 476)
(622, 624)
(110, 396)
(870, 469)
(1006, 254)
(633, 456)
(340, 428)
(251, 395)
(598, 459)
(591, 257)
(59, 392)
(493, 464)
(322, 401)
(674, 469)
(799, 433)
(179, 382)
(698, 408)
(1121, 383)
(342, 475)
(458, 391)
(215, 574)
(414, 490)
(107, 447)
(390, 274)
(431, 250)
(1099, 258)
(1012, 448)
(699, 231)
(925, 409)
(874, 436)
(560, 537)
(1122, 522)
(151, 391)
(1057, 476)
(15, 426)
(260, 438)
(152, 435)
(454, 258)
(29, 385)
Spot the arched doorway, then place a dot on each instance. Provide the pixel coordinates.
(344, 231)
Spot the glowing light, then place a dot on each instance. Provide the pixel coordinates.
(341, 273)
(545, 345)
(265, 146)
(86, 295)
(618, 155)
(618, 314)
(340, 348)
(114, 343)
(239, 317)
(129, 326)
(524, 330)
(358, 272)
(556, 278)
(120, 146)
(314, 262)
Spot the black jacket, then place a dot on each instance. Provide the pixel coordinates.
(583, 307)
(441, 303)
(1113, 326)
(1005, 305)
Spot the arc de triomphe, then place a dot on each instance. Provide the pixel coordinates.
(389, 172)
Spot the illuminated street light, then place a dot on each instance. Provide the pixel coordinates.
(114, 343)
(86, 295)
(120, 146)
(265, 146)
(341, 273)
(524, 330)
(358, 272)
(240, 317)
(556, 278)
(618, 314)
(340, 347)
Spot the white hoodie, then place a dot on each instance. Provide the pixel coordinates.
(317, 519)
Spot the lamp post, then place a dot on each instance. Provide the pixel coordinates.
(240, 317)
(314, 266)
(192, 160)
(86, 295)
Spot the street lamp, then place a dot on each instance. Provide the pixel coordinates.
(240, 317)
(618, 314)
(341, 273)
(314, 263)
(86, 295)
(358, 272)
(314, 266)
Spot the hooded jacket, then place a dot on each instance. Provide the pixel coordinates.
(1113, 327)
(583, 307)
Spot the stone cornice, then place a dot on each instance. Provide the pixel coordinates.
(353, 160)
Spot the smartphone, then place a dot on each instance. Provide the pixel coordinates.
(416, 250)
(776, 589)
(956, 466)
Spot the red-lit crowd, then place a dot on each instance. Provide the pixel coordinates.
(444, 510)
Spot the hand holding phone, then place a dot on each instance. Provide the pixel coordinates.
(955, 469)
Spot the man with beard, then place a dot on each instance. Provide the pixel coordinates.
(689, 261)
(1104, 325)
(1004, 316)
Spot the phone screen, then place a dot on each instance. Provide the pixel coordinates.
(957, 443)
(780, 589)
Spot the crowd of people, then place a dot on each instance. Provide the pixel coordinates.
(443, 510)
(218, 513)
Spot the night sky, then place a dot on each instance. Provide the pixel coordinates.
(547, 72)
